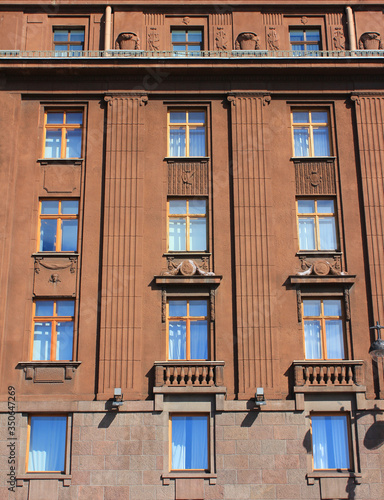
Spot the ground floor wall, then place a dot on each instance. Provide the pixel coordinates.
(255, 454)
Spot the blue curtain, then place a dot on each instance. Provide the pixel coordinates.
(321, 141)
(64, 344)
(330, 442)
(199, 339)
(190, 442)
(334, 338)
(301, 141)
(177, 142)
(197, 141)
(327, 230)
(47, 444)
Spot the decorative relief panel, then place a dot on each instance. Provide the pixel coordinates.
(370, 41)
(338, 38)
(188, 178)
(224, 18)
(127, 41)
(321, 267)
(247, 41)
(272, 37)
(334, 18)
(188, 267)
(55, 276)
(315, 177)
(60, 179)
(153, 38)
(272, 18)
(153, 18)
(221, 39)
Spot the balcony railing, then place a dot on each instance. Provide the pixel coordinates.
(189, 373)
(204, 54)
(328, 373)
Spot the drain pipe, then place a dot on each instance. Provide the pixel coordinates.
(351, 28)
(107, 28)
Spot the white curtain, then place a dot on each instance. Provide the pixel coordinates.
(307, 234)
(177, 142)
(197, 141)
(334, 339)
(327, 231)
(199, 340)
(177, 235)
(198, 234)
(301, 141)
(47, 444)
(190, 442)
(42, 341)
(321, 141)
(177, 340)
(312, 333)
(330, 442)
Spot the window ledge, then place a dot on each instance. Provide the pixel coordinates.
(172, 159)
(311, 476)
(188, 280)
(30, 476)
(189, 475)
(49, 371)
(55, 254)
(316, 280)
(297, 159)
(318, 253)
(186, 254)
(60, 161)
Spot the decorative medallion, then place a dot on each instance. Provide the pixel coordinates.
(370, 40)
(304, 19)
(186, 20)
(247, 41)
(315, 178)
(321, 267)
(185, 268)
(127, 41)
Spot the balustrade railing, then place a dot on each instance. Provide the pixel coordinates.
(328, 373)
(203, 54)
(189, 373)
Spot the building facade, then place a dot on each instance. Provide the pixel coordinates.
(192, 250)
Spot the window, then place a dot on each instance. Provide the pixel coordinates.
(63, 134)
(189, 442)
(311, 133)
(330, 442)
(58, 225)
(53, 330)
(187, 225)
(187, 329)
(68, 40)
(323, 329)
(316, 224)
(47, 443)
(185, 41)
(186, 131)
(305, 39)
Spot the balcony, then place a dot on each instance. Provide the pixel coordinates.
(329, 375)
(198, 55)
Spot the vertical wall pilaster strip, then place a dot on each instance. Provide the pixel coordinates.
(121, 296)
(370, 126)
(251, 232)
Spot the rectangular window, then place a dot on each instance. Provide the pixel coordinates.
(323, 329)
(46, 443)
(187, 225)
(186, 133)
(189, 442)
(186, 41)
(68, 41)
(58, 225)
(188, 329)
(311, 133)
(330, 442)
(316, 220)
(304, 39)
(53, 324)
(63, 134)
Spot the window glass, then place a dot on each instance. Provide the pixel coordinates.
(47, 441)
(189, 442)
(330, 442)
(317, 224)
(63, 134)
(189, 231)
(311, 133)
(187, 329)
(323, 329)
(53, 337)
(186, 133)
(58, 225)
(66, 39)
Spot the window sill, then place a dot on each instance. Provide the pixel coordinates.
(172, 159)
(189, 475)
(60, 161)
(31, 476)
(318, 253)
(49, 371)
(55, 254)
(311, 476)
(297, 159)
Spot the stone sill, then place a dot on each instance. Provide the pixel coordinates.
(169, 389)
(60, 161)
(329, 388)
(30, 476)
(177, 159)
(298, 159)
(316, 280)
(311, 476)
(54, 371)
(189, 475)
(188, 280)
